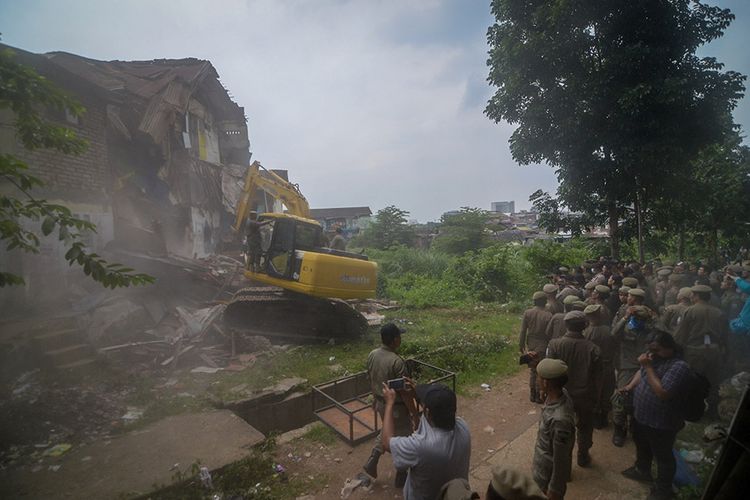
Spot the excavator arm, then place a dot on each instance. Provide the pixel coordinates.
(288, 193)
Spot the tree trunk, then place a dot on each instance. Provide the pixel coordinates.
(614, 231)
(681, 244)
(639, 220)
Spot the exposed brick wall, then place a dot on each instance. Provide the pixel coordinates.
(86, 172)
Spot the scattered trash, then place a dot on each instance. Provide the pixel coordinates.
(175, 466)
(205, 369)
(352, 484)
(714, 432)
(58, 450)
(740, 380)
(490, 450)
(205, 477)
(489, 429)
(684, 475)
(132, 414)
(532, 412)
(279, 469)
(486, 387)
(308, 454)
(692, 456)
(54, 468)
(86, 458)
(332, 359)
(337, 460)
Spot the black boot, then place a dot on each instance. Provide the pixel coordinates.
(371, 467)
(618, 437)
(600, 421)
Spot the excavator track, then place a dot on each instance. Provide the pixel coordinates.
(277, 313)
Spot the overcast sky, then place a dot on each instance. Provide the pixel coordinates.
(364, 102)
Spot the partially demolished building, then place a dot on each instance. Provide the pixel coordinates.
(167, 148)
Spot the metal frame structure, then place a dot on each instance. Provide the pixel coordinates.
(365, 400)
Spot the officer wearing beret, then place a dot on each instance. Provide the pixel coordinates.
(583, 359)
(599, 333)
(553, 451)
(533, 339)
(703, 334)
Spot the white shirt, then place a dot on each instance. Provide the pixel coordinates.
(433, 456)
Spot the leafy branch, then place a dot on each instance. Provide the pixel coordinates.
(27, 94)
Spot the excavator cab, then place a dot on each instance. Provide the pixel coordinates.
(294, 257)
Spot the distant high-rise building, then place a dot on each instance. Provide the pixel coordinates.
(504, 207)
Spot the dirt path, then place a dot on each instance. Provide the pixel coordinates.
(503, 428)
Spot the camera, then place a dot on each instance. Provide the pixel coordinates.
(525, 359)
(397, 384)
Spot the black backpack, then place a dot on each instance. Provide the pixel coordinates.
(692, 401)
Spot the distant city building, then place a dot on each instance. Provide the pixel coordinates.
(503, 207)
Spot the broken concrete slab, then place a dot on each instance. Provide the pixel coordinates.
(133, 463)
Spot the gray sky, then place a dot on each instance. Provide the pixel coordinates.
(364, 102)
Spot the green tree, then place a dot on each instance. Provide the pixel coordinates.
(389, 229)
(610, 94)
(28, 95)
(463, 231)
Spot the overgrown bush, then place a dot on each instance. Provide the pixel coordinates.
(498, 273)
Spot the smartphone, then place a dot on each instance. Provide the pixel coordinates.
(397, 384)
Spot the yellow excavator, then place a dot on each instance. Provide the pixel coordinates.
(305, 280)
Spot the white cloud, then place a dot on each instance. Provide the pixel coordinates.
(358, 116)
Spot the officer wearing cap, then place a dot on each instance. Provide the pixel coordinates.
(438, 451)
(703, 334)
(556, 325)
(553, 451)
(672, 315)
(660, 289)
(675, 281)
(533, 339)
(509, 483)
(384, 364)
(633, 332)
(599, 333)
(601, 296)
(583, 359)
(553, 305)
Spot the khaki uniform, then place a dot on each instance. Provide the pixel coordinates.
(384, 364)
(632, 344)
(703, 332)
(553, 452)
(556, 326)
(601, 336)
(554, 307)
(670, 296)
(534, 338)
(584, 380)
(672, 316)
(660, 291)
(568, 290)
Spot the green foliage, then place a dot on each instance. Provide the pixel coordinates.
(387, 230)
(462, 232)
(319, 433)
(28, 95)
(497, 273)
(544, 257)
(611, 94)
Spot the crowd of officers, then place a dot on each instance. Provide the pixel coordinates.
(605, 338)
(598, 328)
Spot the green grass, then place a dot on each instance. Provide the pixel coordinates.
(319, 433)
